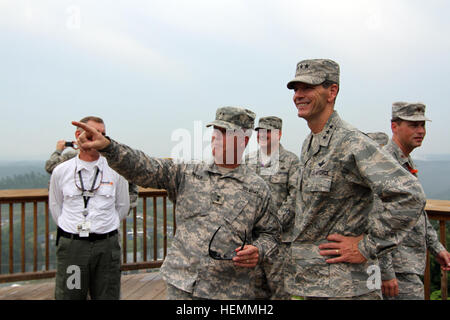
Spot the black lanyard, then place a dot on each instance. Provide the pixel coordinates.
(86, 198)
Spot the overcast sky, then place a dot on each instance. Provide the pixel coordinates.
(150, 68)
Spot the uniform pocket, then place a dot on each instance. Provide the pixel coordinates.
(318, 184)
(311, 268)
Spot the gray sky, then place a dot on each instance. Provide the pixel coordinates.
(149, 68)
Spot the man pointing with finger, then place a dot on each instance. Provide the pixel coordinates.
(224, 223)
(337, 237)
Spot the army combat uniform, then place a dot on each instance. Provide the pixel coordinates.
(341, 169)
(280, 175)
(408, 261)
(207, 199)
(58, 157)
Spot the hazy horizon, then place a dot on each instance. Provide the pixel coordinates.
(149, 68)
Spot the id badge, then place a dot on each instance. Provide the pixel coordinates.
(84, 228)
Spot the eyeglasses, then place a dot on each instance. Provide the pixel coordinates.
(217, 256)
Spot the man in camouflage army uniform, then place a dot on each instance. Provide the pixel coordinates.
(59, 156)
(224, 224)
(337, 237)
(278, 167)
(401, 269)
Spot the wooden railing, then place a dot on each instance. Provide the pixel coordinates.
(20, 204)
(437, 210)
(30, 207)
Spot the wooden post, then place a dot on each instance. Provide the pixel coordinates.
(35, 232)
(23, 237)
(443, 273)
(165, 224)
(11, 238)
(124, 241)
(155, 230)
(427, 277)
(134, 236)
(144, 228)
(47, 238)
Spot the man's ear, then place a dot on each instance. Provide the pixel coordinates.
(394, 126)
(334, 89)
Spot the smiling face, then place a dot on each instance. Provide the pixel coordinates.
(310, 100)
(408, 134)
(314, 102)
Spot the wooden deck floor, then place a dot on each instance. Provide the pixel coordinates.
(141, 286)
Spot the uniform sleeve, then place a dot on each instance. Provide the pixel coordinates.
(286, 212)
(402, 197)
(140, 169)
(56, 158)
(432, 238)
(134, 195)
(55, 197)
(266, 230)
(386, 267)
(122, 198)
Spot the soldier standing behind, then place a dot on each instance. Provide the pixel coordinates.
(401, 269)
(337, 236)
(224, 226)
(59, 156)
(278, 167)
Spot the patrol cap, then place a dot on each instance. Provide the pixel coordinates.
(379, 137)
(409, 111)
(315, 71)
(234, 118)
(269, 123)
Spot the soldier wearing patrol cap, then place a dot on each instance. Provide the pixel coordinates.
(337, 238)
(278, 167)
(401, 269)
(224, 223)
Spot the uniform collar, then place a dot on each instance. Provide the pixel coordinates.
(322, 139)
(399, 155)
(238, 173)
(273, 156)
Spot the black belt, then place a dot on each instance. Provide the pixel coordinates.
(91, 237)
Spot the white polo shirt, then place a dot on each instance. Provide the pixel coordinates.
(109, 204)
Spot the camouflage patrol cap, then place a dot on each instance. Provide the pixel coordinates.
(315, 71)
(379, 137)
(409, 111)
(233, 118)
(269, 123)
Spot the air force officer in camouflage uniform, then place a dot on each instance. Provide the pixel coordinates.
(401, 269)
(337, 236)
(224, 226)
(278, 167)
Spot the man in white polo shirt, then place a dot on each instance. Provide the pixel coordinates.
(87, 200)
